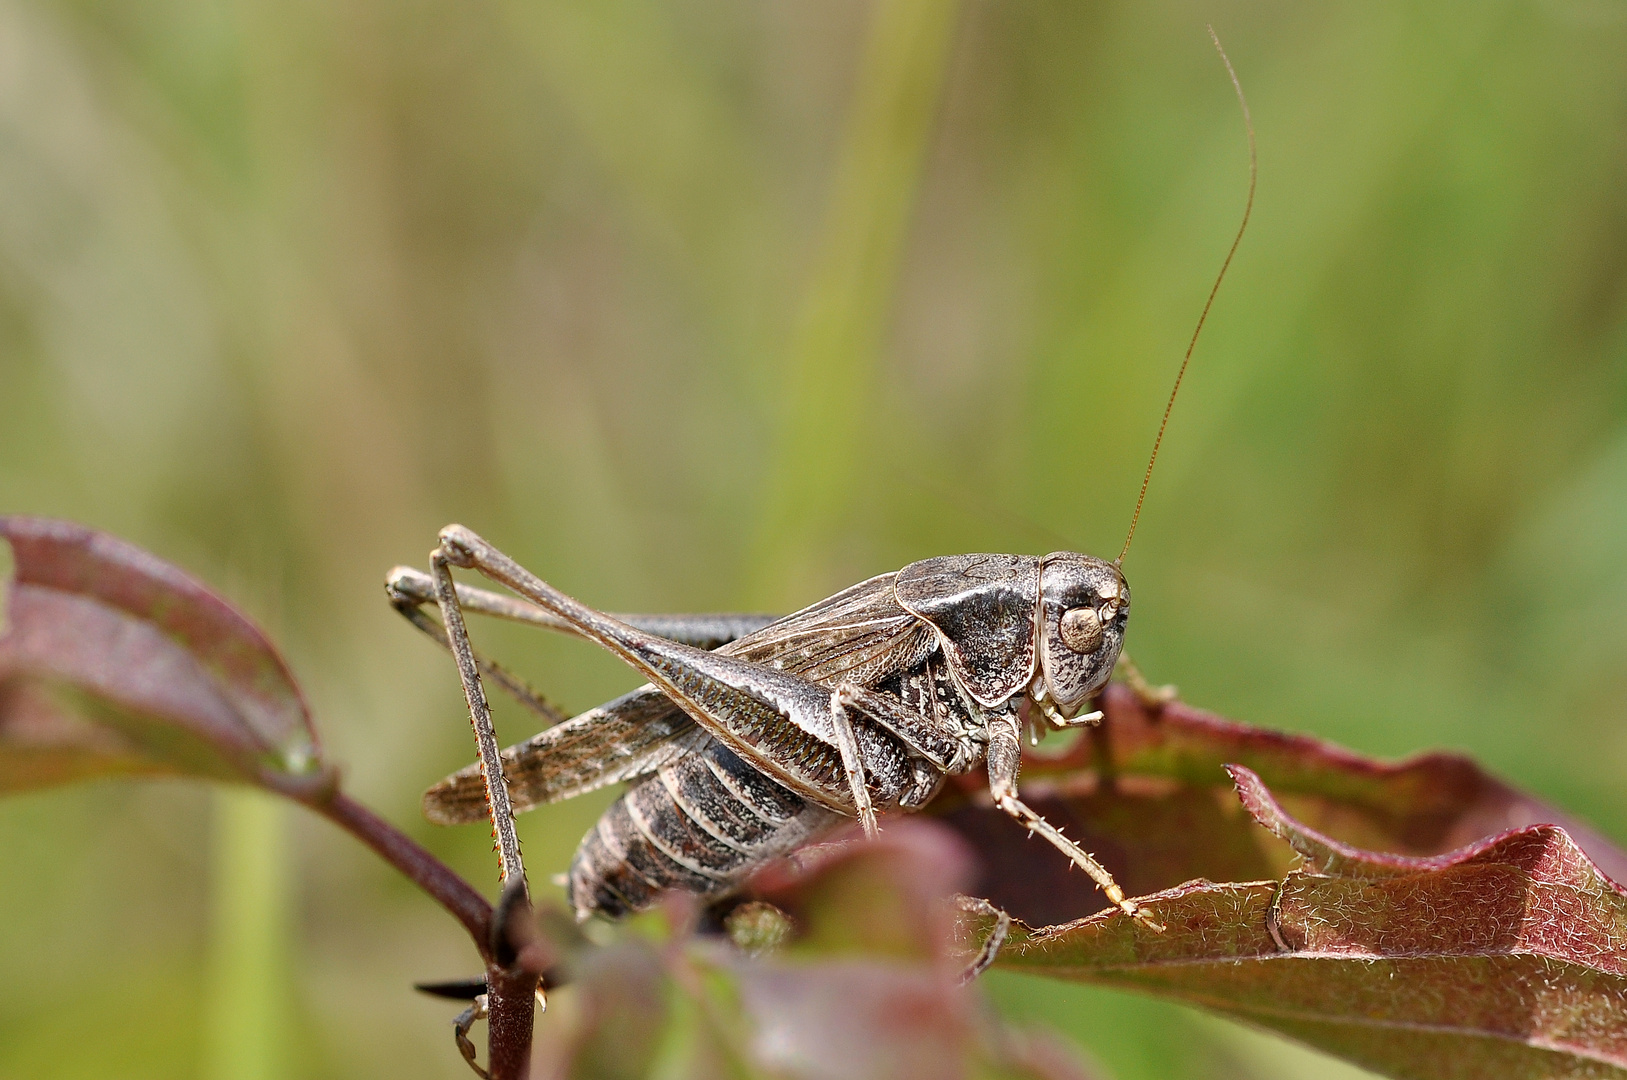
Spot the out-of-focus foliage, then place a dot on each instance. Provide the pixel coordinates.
(284, 288)
(114, 663)
(865, 986)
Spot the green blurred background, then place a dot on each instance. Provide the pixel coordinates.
(712, 305)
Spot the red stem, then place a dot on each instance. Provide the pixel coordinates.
(511, 998)
(510, 994)
(408, 856)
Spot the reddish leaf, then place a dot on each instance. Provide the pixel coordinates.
(611, 1019)
(1505, 958)
(877, 898)
(1148, 793)
(1150, 834)
(867, 987)
(869, 984)
(115, 662)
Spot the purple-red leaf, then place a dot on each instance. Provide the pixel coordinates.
(1505, 958)
(866, 987)
(1148, 793)
(115, 662)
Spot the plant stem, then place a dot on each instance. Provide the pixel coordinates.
(247, 1028)
(512, 1004)
(511, 994)
(423, 869)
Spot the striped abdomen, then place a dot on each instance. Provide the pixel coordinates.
(699, 824)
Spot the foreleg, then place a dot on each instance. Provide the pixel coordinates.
(1004, 758)
(990, 949)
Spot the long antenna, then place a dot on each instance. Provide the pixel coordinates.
(1248, 208)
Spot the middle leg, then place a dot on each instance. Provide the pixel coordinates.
(852, 762)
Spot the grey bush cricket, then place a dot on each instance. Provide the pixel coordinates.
(755, 735)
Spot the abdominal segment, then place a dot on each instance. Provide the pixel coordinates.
(699, 824)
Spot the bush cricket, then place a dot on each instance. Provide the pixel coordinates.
(755, 734)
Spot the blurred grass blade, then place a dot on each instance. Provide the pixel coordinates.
(247, 1028)
(115, 662)
(827, 392)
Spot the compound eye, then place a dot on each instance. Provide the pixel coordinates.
(1082, 629)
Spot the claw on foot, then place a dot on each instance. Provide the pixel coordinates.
(1133, 909)
(1142, 916)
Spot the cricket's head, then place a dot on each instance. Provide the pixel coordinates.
(1084, 604)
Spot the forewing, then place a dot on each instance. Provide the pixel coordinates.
(627, 738)
(859, 635)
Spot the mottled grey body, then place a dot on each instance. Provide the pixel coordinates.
(708, 819)
(861, 703)
(699, 824)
